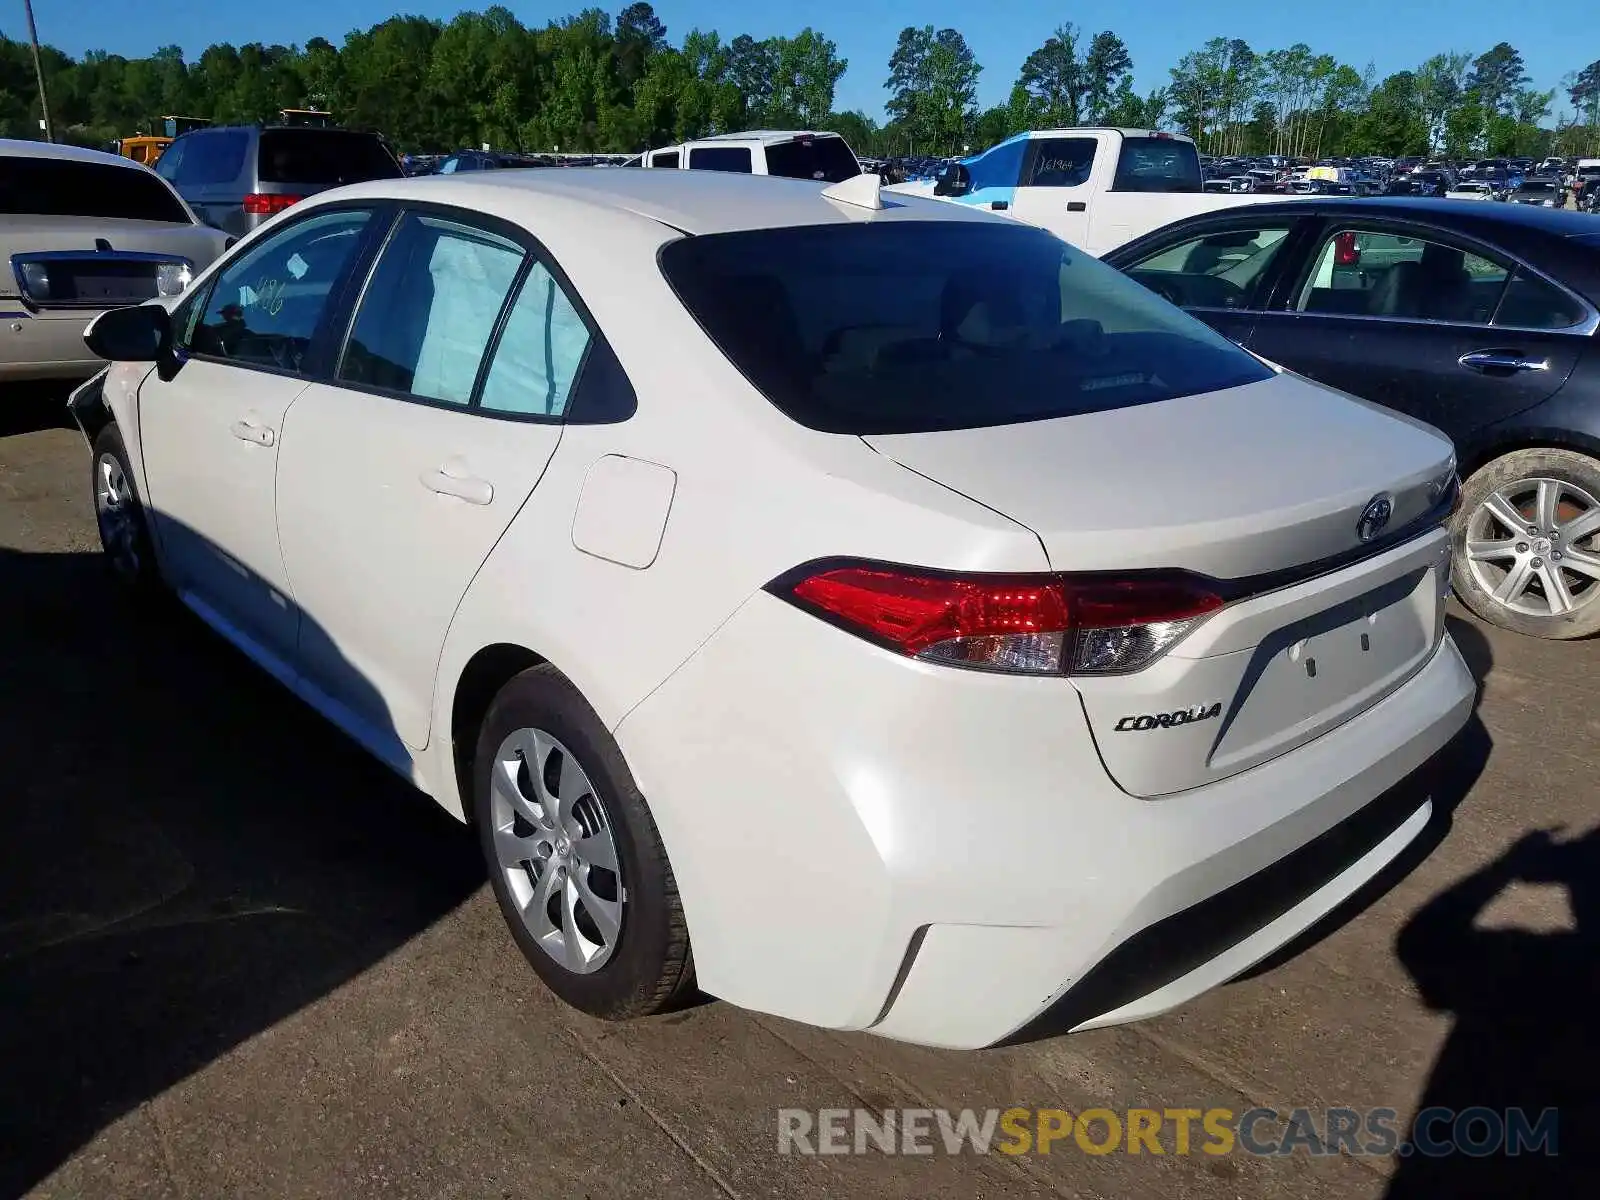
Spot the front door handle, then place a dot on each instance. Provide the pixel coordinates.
(999, 205)
(249, 431)
(1502, 360)
(463, 487)
(1076, 206)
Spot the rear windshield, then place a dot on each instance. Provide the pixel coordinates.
(59, 188)
(1150, 164)
(324, 156)
(904, 327)
(823, 158)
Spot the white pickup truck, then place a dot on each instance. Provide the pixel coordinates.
(1095, 188)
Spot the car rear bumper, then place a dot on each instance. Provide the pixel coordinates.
(46, 346)
(866, 842)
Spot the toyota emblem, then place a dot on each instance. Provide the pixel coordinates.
(1374, 517)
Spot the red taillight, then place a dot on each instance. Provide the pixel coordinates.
(1346, 250)
(259, 204)
(1036, 624)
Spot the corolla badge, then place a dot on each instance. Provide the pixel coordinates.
(1375, 516)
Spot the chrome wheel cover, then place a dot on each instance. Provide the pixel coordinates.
(1530, 547)
(556, 851)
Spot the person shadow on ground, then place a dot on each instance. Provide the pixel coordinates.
(1527, 1026)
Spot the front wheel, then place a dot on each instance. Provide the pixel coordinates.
(120, 516)
(574, 857)
(1526, 556)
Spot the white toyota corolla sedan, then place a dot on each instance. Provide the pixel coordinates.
(878, 613)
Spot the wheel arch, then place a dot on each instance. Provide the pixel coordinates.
(488, 670)
(1476, 456)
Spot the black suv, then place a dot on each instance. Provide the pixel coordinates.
(235, 177)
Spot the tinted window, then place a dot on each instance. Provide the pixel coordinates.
(823, 158)
(720, 158)
(265, 305)
(1157, 165)
(1533, 303)
(324, 157)
(1062, 162)
(998, 167)
(1363, 272)
(59, 188)
(898, 327)
(1216, 270)
(667, 158)
(540, 351)
(430, 309)
(210, 158)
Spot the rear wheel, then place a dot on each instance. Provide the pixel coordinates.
(1527, 556)
(574, 858)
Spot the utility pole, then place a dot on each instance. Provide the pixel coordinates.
(38, 73)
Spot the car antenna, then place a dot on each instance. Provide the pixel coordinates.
(861, 190)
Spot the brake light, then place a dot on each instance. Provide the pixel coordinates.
(1346, 250)
(1027, 624)
(260, 204)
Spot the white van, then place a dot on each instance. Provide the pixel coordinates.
(792, 153)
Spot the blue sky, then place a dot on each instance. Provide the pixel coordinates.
(1555, 36)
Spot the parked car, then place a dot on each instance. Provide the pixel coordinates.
(1095, 188)
(237, 177)
(80, 232)
(1476, 318)
(896, 606)
(1471, 189)
(1544, 192)
(791, 153)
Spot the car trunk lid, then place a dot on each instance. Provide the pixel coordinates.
(1265, 489)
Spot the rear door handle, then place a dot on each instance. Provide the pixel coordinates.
(249, 431)
(463, 487)
(1502, 360)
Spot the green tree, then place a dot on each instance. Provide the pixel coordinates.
(1053, 77)
(1107, 71)
(1497, 75)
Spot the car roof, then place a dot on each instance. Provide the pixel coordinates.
(693, 202)
(766, 137)
(22, 148)
(1555, 221)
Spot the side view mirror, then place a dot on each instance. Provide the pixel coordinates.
(954, 180)
(142, 333)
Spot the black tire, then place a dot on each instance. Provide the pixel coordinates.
(126, 542)
(1506, 472)
(650, 967)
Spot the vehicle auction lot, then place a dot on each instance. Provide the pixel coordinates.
(237, 958)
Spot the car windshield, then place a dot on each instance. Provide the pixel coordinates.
(902, 327)
(63, 188)
(823, 158)
(1537, 185)
(324, 157)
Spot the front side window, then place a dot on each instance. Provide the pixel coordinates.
(265, 306)
(720, 158)
(667, 158)
(1062, 162)
(1375, 273)
(911, 326)
(1223, 269)
(429, 310)
(540, 353)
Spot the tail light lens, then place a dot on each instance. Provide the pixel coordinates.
(1022, 624)
(1346, 250)
(258, 204)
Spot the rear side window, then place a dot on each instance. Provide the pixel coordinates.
(1148, 164)
(1062, 162)
(1533, 303)
(540, 351)
(825, 158)
(430, 309)
(324, 157)
(60, 188)
(667, 158)
(903, 327)
(720, 158)
(211, 158)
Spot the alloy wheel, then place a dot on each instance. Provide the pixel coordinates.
(116, 511)
(1530, 547)
(556, 850)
